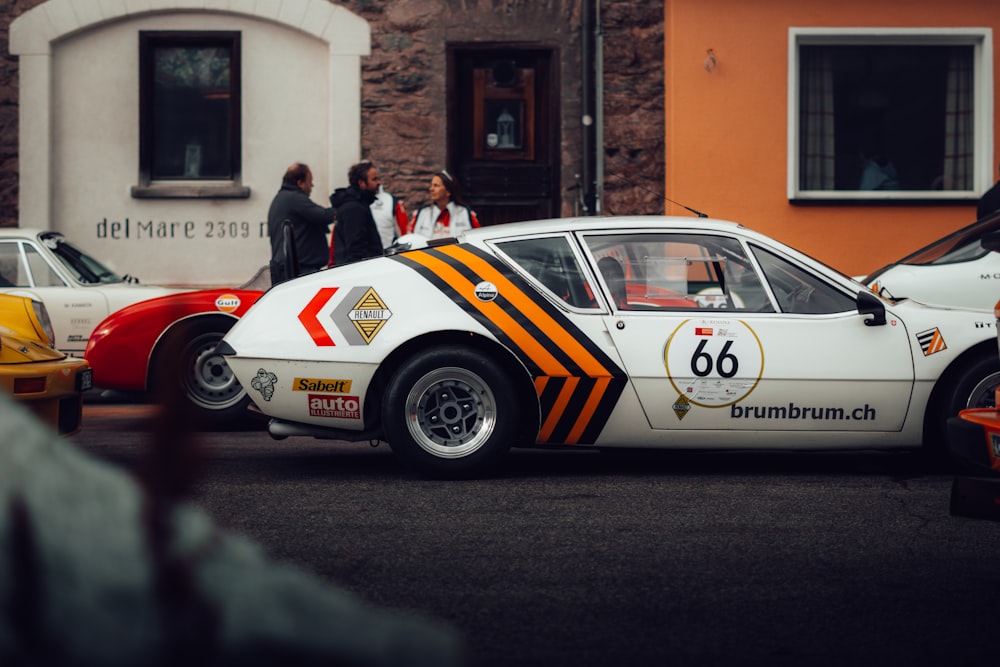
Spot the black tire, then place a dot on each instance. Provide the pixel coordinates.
(450, 412)
(973, 386)
(187, 360)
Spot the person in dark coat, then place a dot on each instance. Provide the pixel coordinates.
(355, 236)
(989, 202)
(310, 223)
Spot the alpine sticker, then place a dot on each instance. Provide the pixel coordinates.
(486, 291)
(264, 383)
(712, 363)
(931, 341)
(227, 303)
(577, 384)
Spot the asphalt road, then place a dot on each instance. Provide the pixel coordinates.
(584, 558)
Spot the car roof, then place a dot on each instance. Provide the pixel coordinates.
(595, 223)
(24, 232)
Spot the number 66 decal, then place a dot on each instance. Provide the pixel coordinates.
(714, 362)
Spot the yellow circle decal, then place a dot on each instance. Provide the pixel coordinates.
(714, 362)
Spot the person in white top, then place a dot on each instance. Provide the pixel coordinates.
(390, 217)
(446, 215)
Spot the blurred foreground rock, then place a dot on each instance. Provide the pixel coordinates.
(80, 586)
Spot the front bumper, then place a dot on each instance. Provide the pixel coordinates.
(974, 441)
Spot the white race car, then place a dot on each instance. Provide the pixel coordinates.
(647, 332)
(956, 270)
(78, 290)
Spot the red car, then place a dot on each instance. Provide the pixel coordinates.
(172, 338)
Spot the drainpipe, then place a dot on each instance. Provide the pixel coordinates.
(588, 179)
(598, 110)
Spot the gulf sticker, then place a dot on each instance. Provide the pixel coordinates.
(227, 303)
(713, 363)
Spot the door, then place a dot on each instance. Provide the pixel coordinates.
(502, 140)
(715, 341)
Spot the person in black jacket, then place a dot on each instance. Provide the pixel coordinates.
(355, 236)
(309, 221)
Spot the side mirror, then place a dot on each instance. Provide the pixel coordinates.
(869, 304)
(991, 240)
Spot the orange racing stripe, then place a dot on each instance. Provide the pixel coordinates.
(576, 383)
(539, 354)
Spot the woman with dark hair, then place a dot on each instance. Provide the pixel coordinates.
(447, 214)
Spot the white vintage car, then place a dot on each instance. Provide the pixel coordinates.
(77, 290)
(956, 270)
(649, 332)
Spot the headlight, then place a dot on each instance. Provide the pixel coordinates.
(43, 318)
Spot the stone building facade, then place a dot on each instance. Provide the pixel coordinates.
(404, 98)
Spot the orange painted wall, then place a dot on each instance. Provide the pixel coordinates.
(726, 131)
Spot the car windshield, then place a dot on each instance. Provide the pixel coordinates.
(960, 246)
(80, 265)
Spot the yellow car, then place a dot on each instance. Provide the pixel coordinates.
(36, 374)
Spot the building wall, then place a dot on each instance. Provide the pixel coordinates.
(95, 144)
(404, 99)
(726, 130)
(400, 108)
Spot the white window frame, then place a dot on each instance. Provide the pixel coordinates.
(981, 39)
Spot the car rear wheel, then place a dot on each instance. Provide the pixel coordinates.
(974, 386)
(450, 412)
(211, 389)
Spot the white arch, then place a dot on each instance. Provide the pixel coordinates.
(32, 34)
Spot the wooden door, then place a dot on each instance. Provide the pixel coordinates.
(501, 138)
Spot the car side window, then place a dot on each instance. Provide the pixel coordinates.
(799, 291)
(551, 261)
(657, 271)
(11, 271)
(41, 270)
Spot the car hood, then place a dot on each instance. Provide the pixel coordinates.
(17, 350)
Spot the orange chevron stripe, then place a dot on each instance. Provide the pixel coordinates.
(590, 366)
(588, 410)
(558, 408)
(538, 353)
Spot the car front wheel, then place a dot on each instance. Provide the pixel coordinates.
(450, 412)
(973, 387)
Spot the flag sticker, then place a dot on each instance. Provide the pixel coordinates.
(703, 331)
(931, 341)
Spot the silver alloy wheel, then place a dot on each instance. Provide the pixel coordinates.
(983, 395)
(209, 382)
(450, 412)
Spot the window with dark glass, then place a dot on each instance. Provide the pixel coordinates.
(886, 117)
(190, 107)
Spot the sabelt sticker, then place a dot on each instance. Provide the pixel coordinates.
(322, 385)
(486, 291)
(227, 303)
(712, 363)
